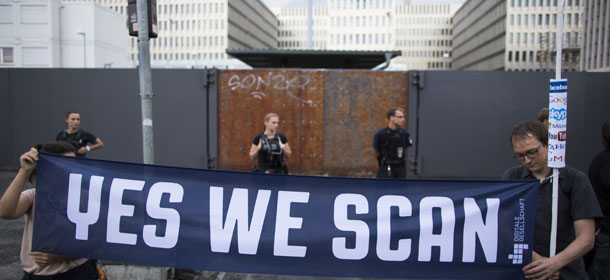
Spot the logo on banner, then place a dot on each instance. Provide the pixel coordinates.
(558, 87)
(558, 114)
(560, 136)
(563, 100)
(553, 147)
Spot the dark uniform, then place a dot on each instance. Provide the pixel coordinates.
(391, 146)
(79, 139)
(271, 155)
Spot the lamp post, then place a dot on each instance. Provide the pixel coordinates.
(80, 32)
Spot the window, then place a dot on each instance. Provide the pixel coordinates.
(510, 56)
(33, 14)
(6, 15)
(6, 55)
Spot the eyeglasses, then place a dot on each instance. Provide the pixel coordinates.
(531, 154)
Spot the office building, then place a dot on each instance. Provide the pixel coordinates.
(54, 33)
(516, 35)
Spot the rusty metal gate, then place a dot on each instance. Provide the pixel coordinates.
(329, 116)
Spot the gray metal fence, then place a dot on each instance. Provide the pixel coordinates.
(465, 118)
(459, 119)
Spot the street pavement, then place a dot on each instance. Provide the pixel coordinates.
(10, 237)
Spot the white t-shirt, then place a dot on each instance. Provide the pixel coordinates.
(27, 261)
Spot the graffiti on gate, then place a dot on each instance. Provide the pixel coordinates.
(259, 85)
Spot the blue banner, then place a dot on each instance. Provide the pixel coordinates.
(281, 224)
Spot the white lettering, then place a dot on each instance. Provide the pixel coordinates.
(116, 210)
(154, 210)
(427, 238)
(384, 228)
(80, 219)
(487, 232)
(361, 229)
(284, 222)
(247, 237)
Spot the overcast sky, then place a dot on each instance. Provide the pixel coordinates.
(280, 3)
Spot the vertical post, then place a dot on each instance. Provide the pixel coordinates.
(555, 178)
(309, 24)
(80, 32)
(145, 75)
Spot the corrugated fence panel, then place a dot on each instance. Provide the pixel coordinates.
(356, 103)
(329, 117)
(246, 96)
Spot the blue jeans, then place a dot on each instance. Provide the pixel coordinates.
(600, 266)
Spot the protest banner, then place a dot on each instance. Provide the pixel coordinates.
(283, 224)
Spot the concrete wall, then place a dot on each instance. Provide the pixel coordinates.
(465, 118)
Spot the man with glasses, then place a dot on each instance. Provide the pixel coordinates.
(577, 207)
(391, 145)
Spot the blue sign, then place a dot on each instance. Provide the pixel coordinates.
(558, 114)
(283, 224)
(558, 86)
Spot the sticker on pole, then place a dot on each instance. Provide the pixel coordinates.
(558, 123)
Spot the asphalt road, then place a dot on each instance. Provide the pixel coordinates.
(10, 237)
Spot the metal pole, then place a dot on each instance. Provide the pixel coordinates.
(309, 25)
(146, 95)
(84, 47)
(555, 178)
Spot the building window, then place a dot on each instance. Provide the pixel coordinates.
(33, 14)
(6, 55)
(510, 56)
(6, 15)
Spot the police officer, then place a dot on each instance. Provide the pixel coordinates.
(270, 148)
(82, 141)
(391, 145)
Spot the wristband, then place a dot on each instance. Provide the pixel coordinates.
(88, 148)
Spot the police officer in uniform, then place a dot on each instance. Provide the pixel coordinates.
(270, 148)
(82, 141)
(391, 145)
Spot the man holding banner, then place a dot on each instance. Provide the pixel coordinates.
(576, 212)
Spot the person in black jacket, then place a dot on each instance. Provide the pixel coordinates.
(82, 141)
(391, 145)
(599, 174)
(576, 211)
(270, 147)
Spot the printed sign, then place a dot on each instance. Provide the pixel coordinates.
(558, 123)
(283, 224)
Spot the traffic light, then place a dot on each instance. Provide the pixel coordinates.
(132, 18)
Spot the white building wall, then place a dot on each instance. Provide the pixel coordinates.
(421, 32)
(28, 33)
(595, 54)
(424, 35)
(43, 33)
(196, 33)
(531, 27)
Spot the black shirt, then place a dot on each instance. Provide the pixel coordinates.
(271, 154)
(391, 145)
(79, 139)
(576, 201)
(599, 174)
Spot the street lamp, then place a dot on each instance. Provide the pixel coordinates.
(80, 32)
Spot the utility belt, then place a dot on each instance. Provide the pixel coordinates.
(393, 162)
(275, 170)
